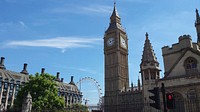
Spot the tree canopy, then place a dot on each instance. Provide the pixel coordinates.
(44, 92)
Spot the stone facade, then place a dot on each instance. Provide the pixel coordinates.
(181, 76)
(10, 83)
(119, 97)
(69, 91)
(182, 73)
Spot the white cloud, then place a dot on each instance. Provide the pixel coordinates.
(87, 70)
(59, 42)
(8, 26)
(97, 9)
(22, 23)
(92, 9)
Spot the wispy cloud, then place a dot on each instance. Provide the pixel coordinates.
(85, 70)
(62, 43)
(7, 26)
(97, 9)
(91, 9)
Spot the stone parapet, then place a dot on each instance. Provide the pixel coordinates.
(185, 41)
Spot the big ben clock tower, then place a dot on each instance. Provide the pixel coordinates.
(116, 62)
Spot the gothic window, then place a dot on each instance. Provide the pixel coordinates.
(11, 86)
(191, 95)
(146, 75)
(16, 89)
(5, 85)
(153, 75)
(190, 65)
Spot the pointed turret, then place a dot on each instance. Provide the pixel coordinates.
(197, 15)
(149, 66)
(115, 20)
(115, 16)
(149, 69)
(148, 56)
(197, 25)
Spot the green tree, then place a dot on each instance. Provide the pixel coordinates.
(44, 92)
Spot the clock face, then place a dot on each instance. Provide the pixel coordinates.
(110, 41)
(123, 42)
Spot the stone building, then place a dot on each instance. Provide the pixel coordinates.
(181, 72)
(69, 91)
(10, 83)
(118, 95)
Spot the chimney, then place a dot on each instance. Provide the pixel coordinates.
(24, 71)
(62, 79)
(2, 63)
(72, 80)
(58, 76)
(42, 71)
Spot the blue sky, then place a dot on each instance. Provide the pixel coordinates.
(67, 35)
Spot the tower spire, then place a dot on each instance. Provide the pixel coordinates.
(115, 20)
(197, 25)
(197, 14)
(115, 16)
(148, 53)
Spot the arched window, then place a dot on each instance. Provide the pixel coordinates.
(153, 74)
(146, 75)
(190, 65)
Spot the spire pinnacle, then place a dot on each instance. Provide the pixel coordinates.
(197, 14)
(148, 52)
(197, 17)
(197, 25)
(115, 20)
(146, 35)
(115, 17)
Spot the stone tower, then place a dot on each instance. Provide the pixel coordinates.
(116, 61)
(197, 25)
(150, 70)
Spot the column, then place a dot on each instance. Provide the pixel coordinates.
(1, 91)
(13, 95)
(70, 98)
(6, 103)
